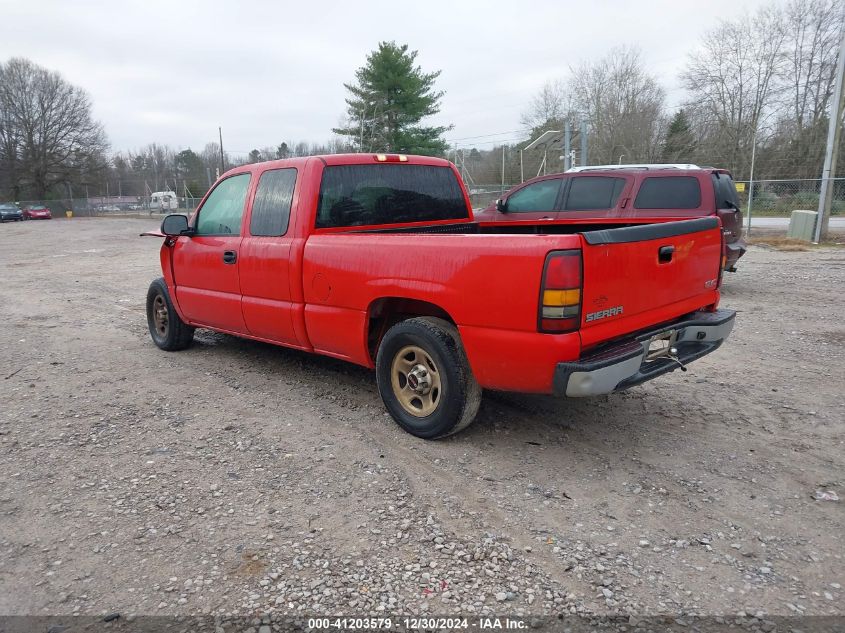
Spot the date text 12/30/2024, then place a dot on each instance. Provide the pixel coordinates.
(410, 624)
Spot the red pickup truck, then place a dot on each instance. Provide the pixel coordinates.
(375, 259)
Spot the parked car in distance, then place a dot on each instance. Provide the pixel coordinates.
(10, 213)
(374, 259)
(618, 192)
(37, 212)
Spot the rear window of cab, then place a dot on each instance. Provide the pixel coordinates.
(364, 195)
(669, 192)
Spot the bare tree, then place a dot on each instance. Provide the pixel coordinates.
(812, 30)
(811, 45)
(732, 82)
(548, 107)
(155, 164)
(624, 104)
(211, 157)
(48, 131)
(10, 148)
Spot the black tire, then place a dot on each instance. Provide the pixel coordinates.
(459, 395)
(170, 333)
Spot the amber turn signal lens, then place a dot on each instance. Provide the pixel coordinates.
(561, 297)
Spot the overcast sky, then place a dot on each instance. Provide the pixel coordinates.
(171, 72)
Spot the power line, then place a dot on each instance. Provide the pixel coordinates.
(464, 138)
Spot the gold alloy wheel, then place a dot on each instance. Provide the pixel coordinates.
(415, 381)
(160, 315)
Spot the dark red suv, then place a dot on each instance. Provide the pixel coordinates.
(621, 191)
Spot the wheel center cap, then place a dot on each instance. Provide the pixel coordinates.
(419, 380)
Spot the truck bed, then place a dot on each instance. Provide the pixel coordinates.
(488, 282)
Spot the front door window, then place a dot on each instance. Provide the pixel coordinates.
(224, 208)
(538, 196)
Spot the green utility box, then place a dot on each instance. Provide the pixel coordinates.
(802, 225)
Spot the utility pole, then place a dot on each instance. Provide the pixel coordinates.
(751, 180)
(833, 132)
(503, 168)
(222, 160)
(583, 142)
(521, 168)
(567, 146)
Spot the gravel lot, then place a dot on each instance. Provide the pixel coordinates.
(241, 478)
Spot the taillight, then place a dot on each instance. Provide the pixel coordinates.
(560, 292)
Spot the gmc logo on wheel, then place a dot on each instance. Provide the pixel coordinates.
(603, 314)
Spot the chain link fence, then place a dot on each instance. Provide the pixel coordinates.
(112, 206)
(771, 201)
(481, 196)
(767, 198)
(779, 198)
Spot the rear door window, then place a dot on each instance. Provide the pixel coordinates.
(356, 195)
(670, 192)
(538, 196)
(271, 207)
(588, 193)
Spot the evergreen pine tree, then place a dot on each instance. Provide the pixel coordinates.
(680, 140)
(388, 101)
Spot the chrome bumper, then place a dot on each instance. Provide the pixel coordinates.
(624, 364)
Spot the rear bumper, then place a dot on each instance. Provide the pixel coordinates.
(623, 364)
(734, 250)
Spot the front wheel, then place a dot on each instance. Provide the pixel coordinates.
(424, 378)
(167, 330)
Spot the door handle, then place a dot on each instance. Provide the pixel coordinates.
(230, 257)
(664, 254)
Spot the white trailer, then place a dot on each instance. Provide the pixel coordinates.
(164, 201)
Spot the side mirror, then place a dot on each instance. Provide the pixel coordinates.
(174, 225)
(502, 206)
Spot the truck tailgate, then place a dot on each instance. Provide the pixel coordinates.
(638, 276)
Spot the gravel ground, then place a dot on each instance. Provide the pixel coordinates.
(239, 478)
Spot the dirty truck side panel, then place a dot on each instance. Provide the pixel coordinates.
(270, 292)
(483, 282)
(489, 284)
(208, 289)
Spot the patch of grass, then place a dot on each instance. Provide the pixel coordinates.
(781, 243)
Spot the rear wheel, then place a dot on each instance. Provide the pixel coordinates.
(424, 378)
(167, 330)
